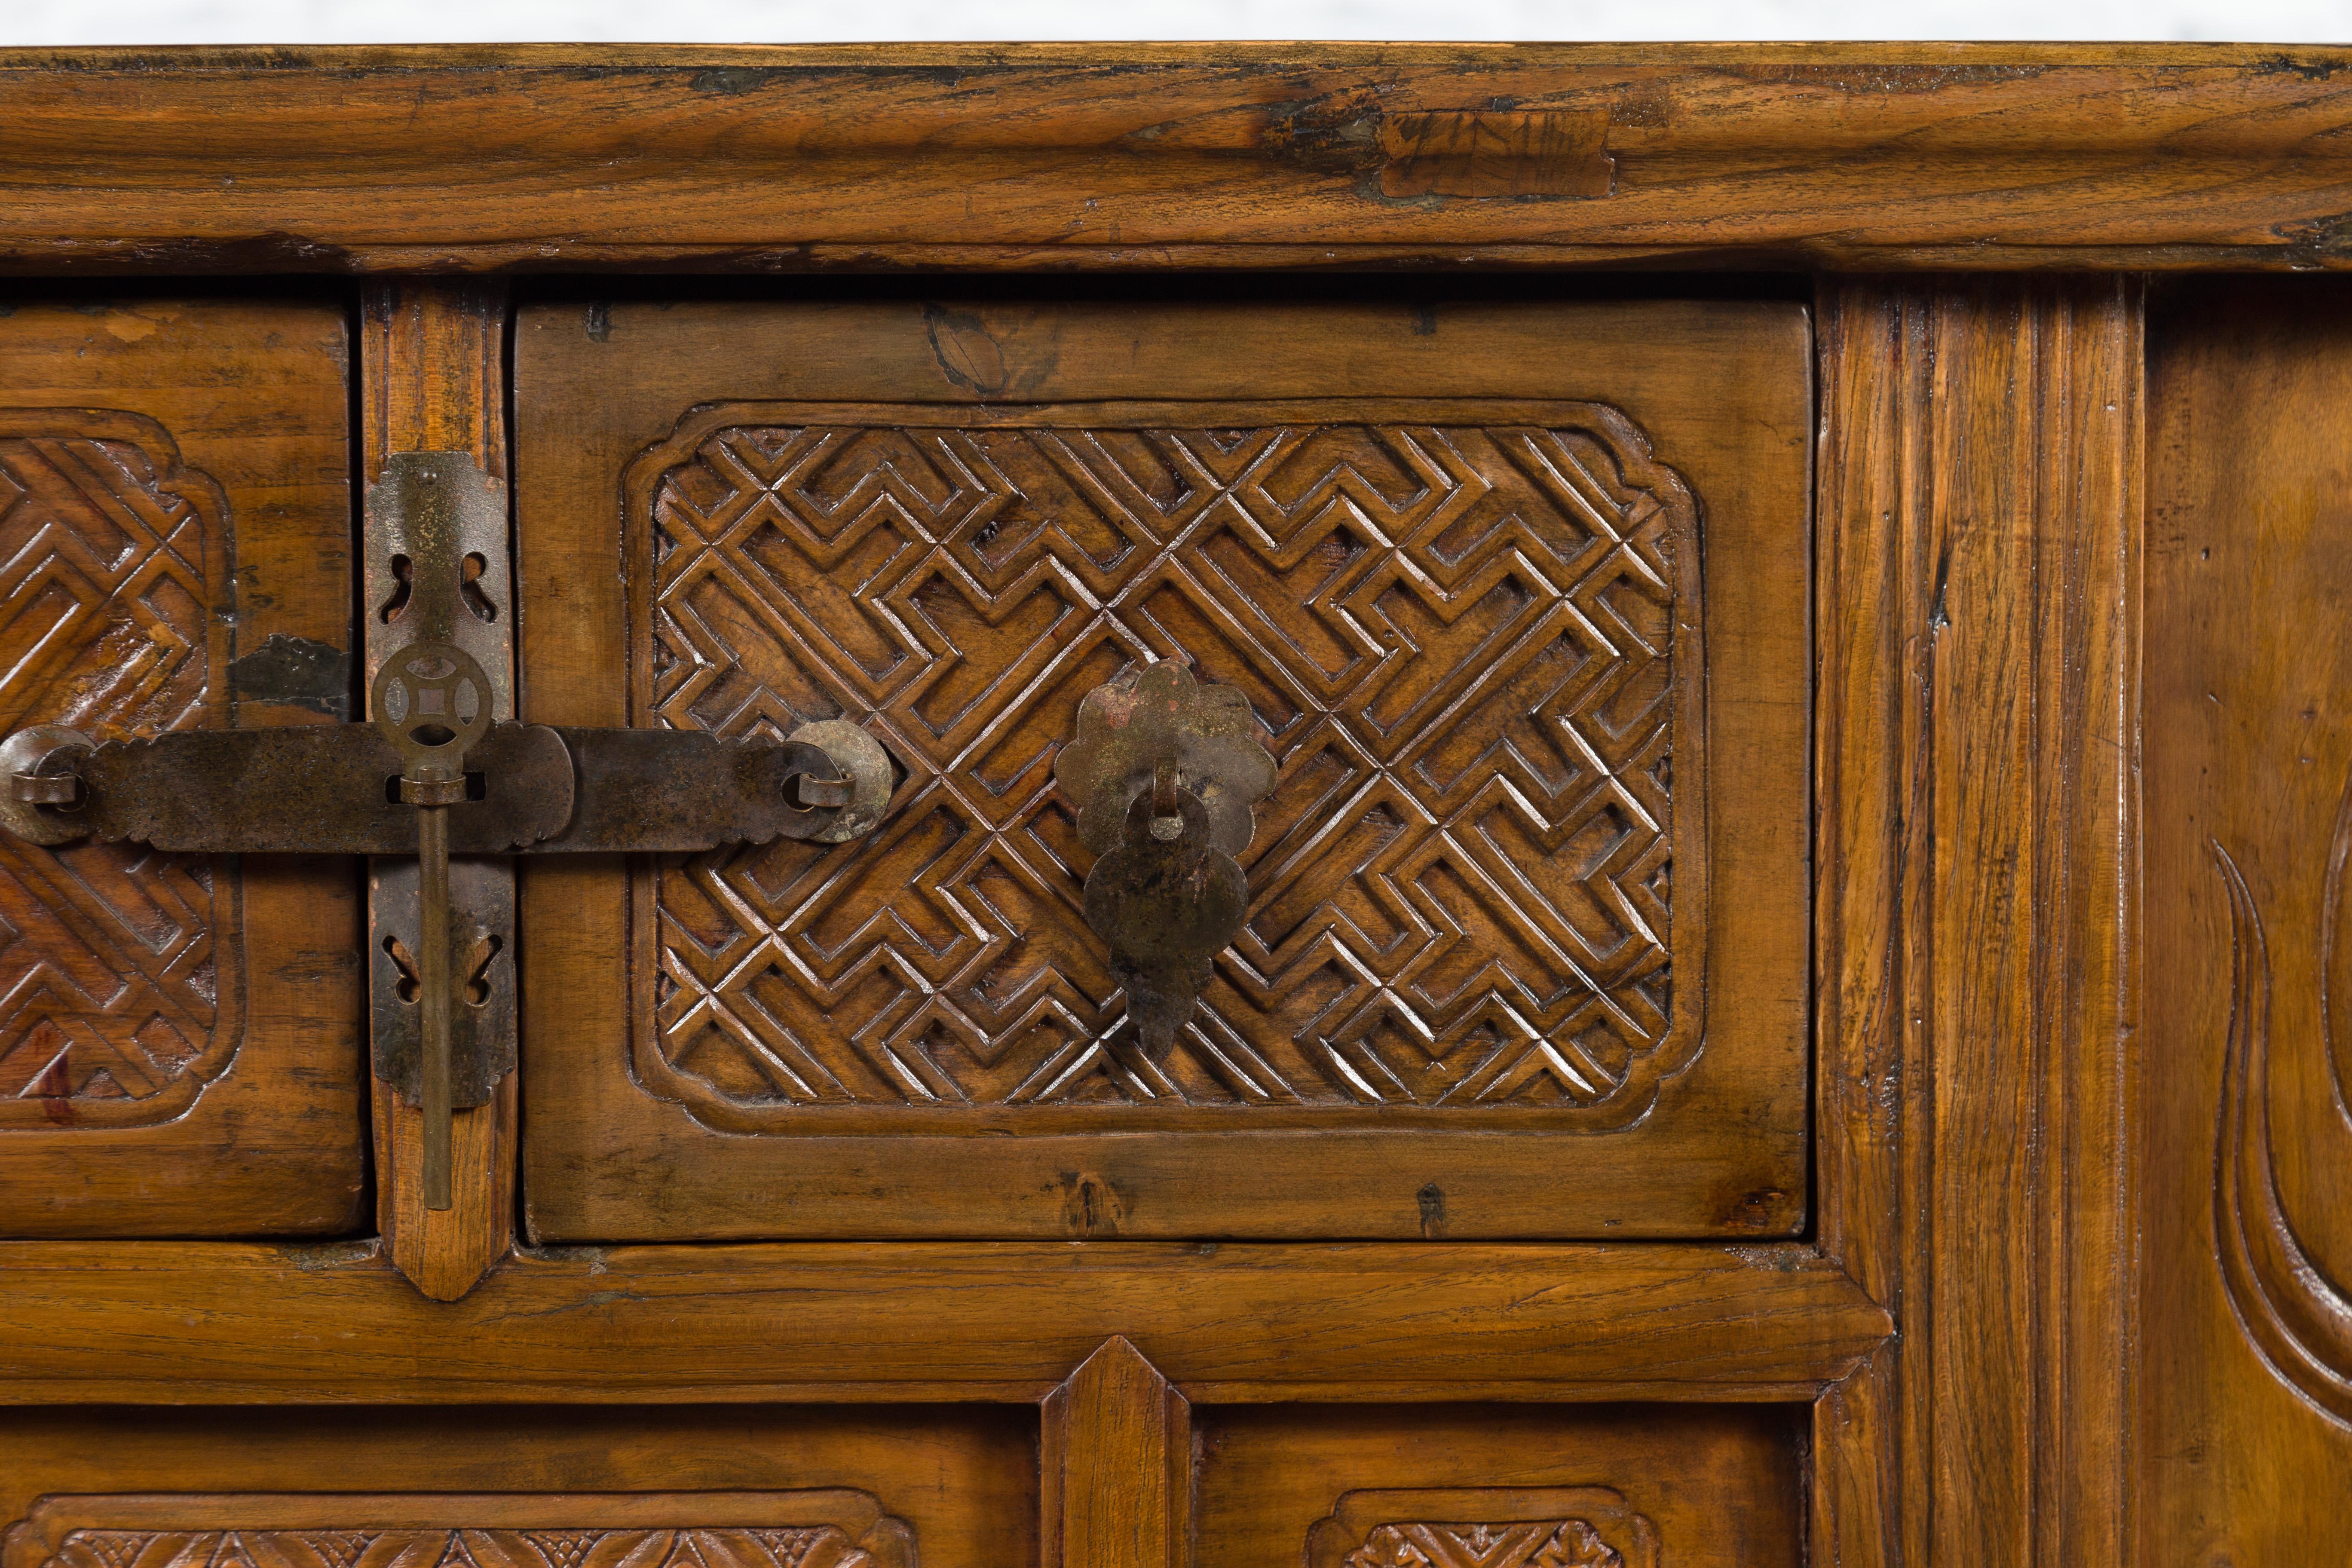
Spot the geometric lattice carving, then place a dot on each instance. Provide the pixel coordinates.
(1570, 1543)
(112, 1007)
(815, 1528)
(1584, 1526)
(813, 1546)
(1463, 640)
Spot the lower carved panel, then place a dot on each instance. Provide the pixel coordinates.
(832, 1529)
(1498, 1486)
(1501, 1527)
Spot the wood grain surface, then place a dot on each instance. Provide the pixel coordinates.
(1979, 923)
(768, 159)
(335, 1322)
(1115, 1472)
(2247, 1216)
(179, 1054)
(783, 991)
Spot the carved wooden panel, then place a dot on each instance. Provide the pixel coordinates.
(2242, 1445)
(178, 1049)
(1492, 1486)
(111, 995)
(776, 1530)
(1506, 588)
(1462, 628)
(2295, 1312)
(1499, 1527)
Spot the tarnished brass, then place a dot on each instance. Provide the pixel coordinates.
(432, 702)
(1149, 715)
(43, 764)
(1166, 773)
(439, 648)
(482, 990)
(529, 789)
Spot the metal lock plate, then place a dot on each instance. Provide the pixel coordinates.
(482, 1017)
(1167, 774)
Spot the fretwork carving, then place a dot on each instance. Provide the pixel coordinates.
(1500, 1527)
(837, 1529)
(1473, 645)
(114, 1005)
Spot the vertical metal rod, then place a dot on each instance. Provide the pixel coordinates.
(432, 860)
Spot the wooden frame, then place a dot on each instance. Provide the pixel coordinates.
(1988, 1430)
(1943, 156)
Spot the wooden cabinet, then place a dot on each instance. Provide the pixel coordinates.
(1771, 995)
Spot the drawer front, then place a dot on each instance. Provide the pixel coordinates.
(179, 1036)
(1517, 599)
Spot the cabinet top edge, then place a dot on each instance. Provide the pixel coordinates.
(1143, 157)
(2303, 59)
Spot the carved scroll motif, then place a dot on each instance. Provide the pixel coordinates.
(1463, 642)
(114, 1007)
(2296, 1316)
(1510, 1526)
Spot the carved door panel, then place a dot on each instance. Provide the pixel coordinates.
(179, 1036)
(650, 1486)
(1515, 597)
(2247, 1422)
(1462, 1486)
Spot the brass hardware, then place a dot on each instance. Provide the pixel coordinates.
(530, 789)
(481, 996)
(1167, 774)
(865, 793)
(440, 644)
(432, 700)
(442, 771)
(43, 764)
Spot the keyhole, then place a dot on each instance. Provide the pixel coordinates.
(478, 971)
(403, 571)
(470, 588)
(407, 985)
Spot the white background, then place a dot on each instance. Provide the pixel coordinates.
(789, 21)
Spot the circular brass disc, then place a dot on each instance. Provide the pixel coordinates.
(864, 763)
